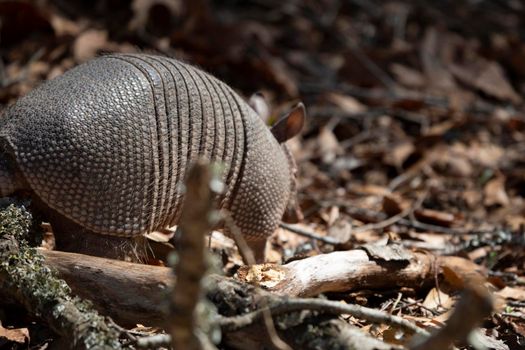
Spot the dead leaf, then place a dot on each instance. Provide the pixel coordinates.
(393, 335)
(435, 217)
(439, 129)
(488, 155)
(440, 320)
(479, 253)
(437, 75)
(14, 335)
(88, 44)
(276, 70)
(369, 190)
(65, 26)
(482, 340)
(407, 76)
(452, 161)
(329, 146)
(495, 193)
(163, 11)
(290, 240)
(333, 215)
(472, 198)
(347, 103)
(487, 76)
(512, 293)
(458, 272)
(399, 153)
(437, 300)
(341, 230)
(393, 204)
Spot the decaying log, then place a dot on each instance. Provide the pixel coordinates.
(129, 293)
(112, 287)
(350, 270)
(135, 293)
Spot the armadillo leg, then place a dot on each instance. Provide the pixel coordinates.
(10, 178)
(79, 240)
(71, 237)
(258, 248)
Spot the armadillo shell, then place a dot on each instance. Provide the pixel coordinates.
(107, 143)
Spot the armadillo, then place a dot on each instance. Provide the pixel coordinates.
(108, 144)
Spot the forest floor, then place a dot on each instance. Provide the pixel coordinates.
(415, 132)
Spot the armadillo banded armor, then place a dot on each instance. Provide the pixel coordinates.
(108, 145)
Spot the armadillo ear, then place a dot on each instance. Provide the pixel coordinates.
(259, 104)
(290, 125)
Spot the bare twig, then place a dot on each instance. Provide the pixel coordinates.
(196, 222)
(292, 305)
(383, 224)
(393, 219)
(372, 67)
(309, 234)
(154, 341)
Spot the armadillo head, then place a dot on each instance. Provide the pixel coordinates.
(284, 129)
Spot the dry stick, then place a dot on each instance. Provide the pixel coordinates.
(344, 271)
(393, 219)
(431, 228)
(154, 341)
(329, 240)
(514, 315)
(297, 304)
(373, 215)
(135, 291)
(383, 224)
(249, 258)
(195, 223)
(309, 234)
(157, 341)
(373, 68)
(398, 299)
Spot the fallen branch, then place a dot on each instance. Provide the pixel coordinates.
(111, 284)
(137, 291)
(187, 320)
(349, 270)
(130, 293)
(113, 287)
